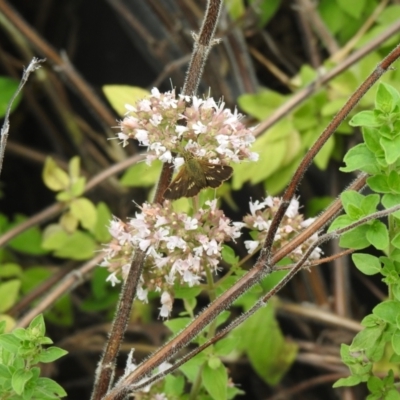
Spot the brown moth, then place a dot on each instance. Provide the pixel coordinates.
(196, 174)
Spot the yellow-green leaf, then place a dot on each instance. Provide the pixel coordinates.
(9, 293)
(74, 167)
(69, 222)
(85, 211)
(54, 177)
(119, 95)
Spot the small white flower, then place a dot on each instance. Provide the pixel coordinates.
(254, 156)
(113, 279)
(175, 242)
(142, 294)
(293, 209)
(251, 245)
(261, 224)
(211, 248)
(144, 105)
(156, 119)
(166, 301)
(191, 223)
(155, 92)
(178, 162)
(191, 279)
(157, 147)
(196, 102)
(142, 136)
(198, 128)
(166, 157)
(124, 138)
(130, 108)
(180, 129)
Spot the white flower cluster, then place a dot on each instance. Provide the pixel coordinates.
(178, 247)
(167, 125)
(259, 220)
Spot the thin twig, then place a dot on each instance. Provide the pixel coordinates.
(33, 66)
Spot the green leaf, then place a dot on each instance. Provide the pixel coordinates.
(226, 346)
(324, 155)
(215, 381)
(394, 182)
(374, 384)
(265, 10)
(10, 270)
(9, 342)
(391, 200)
(235, 8)
(174, 385)
(360, 158)
(367, 264)
(119, 95)
(141, 175)
(396, 241)
(191, 368)
(387, 311)
(349, 381)
(261, 104)
(367, 338)
(103, 217)
(386, 98)
(214, 362)
(19, 379)
(355, 239)
(9, 293)
(378, 235)
(69, 222)
(183, 292)
(396, 341)
(48, 387)
(37, 326)
(29, 241)
(78, 187)
(51, 354)
(177, 324)
(365, 118)
(77, 246)
(54, 177)
(369, 203)
(379, 183)
(270, 356)
(74, 167)
(21, 334)
(391, 147)
(228, 255)
(85, 211)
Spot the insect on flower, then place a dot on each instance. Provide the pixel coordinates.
(196, 174)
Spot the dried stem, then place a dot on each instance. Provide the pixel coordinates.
(106, 368)
(202, 46)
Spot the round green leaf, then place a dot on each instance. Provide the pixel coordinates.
(367, 264)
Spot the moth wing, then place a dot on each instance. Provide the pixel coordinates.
(216, 174)
(177, 187)
(193, 188)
